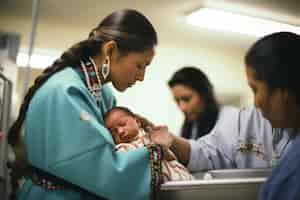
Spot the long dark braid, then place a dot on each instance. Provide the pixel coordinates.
(131, 31)
(71, 57)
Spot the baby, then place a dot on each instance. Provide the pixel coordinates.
(129, 133)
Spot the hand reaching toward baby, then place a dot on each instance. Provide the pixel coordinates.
(161, 135)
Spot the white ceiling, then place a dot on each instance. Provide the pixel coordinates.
(64, 21)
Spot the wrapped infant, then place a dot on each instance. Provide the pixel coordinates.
(128, 133)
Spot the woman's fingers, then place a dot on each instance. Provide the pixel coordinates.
(162, 136)
(169, 156)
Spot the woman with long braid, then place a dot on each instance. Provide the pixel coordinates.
(69, 152)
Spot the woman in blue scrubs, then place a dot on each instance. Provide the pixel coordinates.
(69, 151)
(273, 68)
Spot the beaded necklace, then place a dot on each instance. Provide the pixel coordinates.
(156, 157)
(94, 85)
(92, 78)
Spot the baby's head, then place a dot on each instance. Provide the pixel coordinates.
(123, 124)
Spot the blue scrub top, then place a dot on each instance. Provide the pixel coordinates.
(284, 181)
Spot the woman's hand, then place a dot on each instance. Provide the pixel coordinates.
(161, 135)
(169, 155)
(180, 146)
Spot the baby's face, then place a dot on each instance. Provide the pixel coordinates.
(124, 128)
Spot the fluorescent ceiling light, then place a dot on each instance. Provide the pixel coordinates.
(228, 22)
(41, 58)
(37, 61)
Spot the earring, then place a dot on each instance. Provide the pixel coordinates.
(106, 68)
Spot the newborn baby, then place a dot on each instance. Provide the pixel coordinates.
(128, 133)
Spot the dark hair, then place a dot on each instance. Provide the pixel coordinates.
(195, 79)
(118, 108)
(131, 31)
(275, 60)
